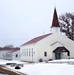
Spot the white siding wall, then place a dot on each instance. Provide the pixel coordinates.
(64, 55)
(69, 44)
(16, 55)
(63, 41)
(28, 53)
(41, 48)
(2, 52)
(45, 45)
(55, 29)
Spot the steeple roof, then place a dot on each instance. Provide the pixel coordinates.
(55, 22)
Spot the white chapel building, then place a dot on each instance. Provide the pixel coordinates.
(49, 46)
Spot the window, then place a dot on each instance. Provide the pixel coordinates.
(25, 52)
(32, 48)
(45, 54)
(22, 52)
(16, 55)
(29, 52)
(32, 52)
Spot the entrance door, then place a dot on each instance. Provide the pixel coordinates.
(57, 55)
(59, 52)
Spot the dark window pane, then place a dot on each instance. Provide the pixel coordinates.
(45, 53)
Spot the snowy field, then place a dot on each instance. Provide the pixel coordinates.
(56, 67)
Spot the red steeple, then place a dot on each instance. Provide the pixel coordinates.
(55, 22)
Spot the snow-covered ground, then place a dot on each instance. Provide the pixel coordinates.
(56, 67)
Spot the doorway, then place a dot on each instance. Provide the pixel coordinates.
(57, 55)
(58, 52)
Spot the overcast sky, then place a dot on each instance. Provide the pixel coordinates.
(22, 20)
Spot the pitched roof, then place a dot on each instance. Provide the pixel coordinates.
(55, 22)
(12, 51)
(34, 40)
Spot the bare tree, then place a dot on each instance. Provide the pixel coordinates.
(9, 46)
(67, 24)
